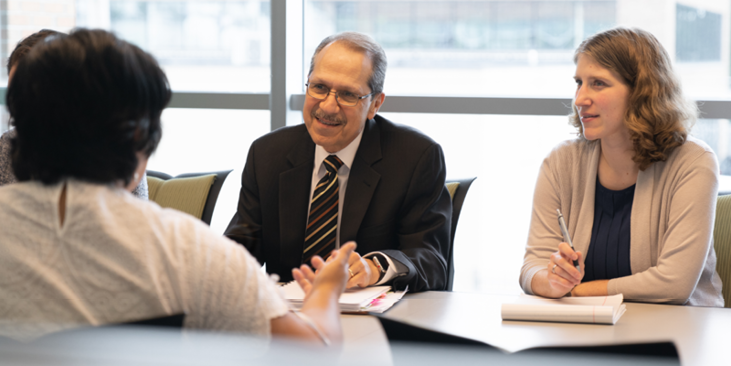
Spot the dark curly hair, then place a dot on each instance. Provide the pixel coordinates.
(24, 46)
(84, 105)
(658, 116)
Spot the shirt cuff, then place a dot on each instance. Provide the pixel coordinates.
(395, 268)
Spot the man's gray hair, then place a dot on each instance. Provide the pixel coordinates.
(363, 43)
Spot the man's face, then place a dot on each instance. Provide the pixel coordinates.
(330, 124)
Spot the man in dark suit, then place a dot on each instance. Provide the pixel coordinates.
(347, 174)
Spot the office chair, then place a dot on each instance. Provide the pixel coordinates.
(458, 191)
(193, 193)
(722, 245)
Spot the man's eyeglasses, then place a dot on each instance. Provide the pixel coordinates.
(346, 98)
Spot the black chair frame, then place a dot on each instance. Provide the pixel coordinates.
(457, 202)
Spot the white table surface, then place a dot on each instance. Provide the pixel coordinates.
(701, 335)
(364, 341)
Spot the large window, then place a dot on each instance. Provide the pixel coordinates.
(520, 48)
(207, 140)
(515, 56)
(202, 45)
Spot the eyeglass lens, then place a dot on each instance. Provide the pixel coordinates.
(321, 92)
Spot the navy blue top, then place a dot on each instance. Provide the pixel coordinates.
(608, 254)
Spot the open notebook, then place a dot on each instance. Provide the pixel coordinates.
(353, 300)
(590, 309)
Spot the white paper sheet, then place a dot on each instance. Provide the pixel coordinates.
(591, 309)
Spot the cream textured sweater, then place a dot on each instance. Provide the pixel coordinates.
(671, 251)
(117, 258)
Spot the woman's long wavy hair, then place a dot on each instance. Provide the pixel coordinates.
(658, 116)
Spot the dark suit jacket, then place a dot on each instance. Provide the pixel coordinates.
(395, 201)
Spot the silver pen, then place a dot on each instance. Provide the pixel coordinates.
(566, 236)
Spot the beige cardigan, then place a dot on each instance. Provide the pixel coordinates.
(671, 251)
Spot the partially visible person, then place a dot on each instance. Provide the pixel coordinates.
(78, 249)
(21, 50)
(637, 191)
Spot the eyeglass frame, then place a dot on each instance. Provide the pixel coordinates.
(337, 99)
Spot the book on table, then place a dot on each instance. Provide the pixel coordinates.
(352, 300)
(589, 309)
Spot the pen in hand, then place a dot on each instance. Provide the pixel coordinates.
(567, 237)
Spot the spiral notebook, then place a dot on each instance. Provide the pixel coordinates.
(590, 309)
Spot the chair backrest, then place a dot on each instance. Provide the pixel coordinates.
(458, 191)
(722, 245)
(193, 193)
(174, 321)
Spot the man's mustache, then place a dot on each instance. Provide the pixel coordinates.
(319, 114)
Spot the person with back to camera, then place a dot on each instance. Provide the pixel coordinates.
(22, 49)
(638, 193)
(78, 249)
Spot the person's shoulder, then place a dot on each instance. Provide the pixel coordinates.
(7, 135)
(283, 135)
(693, 151)
(175, 231)
(17, 193)
(161, 217)
(278, 143)
(124, 208)
(401, 134)
(6, 171)
(5, 139)
(693, 145)
(572, 148)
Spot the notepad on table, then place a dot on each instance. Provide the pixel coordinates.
(590, 309)
(352, 300)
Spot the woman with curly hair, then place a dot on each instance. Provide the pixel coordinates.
(637, 192)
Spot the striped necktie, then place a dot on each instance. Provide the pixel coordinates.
(323, 221)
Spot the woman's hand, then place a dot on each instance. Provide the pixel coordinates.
(562, 276)
(322, 287)
(331, 275)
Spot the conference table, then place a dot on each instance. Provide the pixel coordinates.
(699, 334)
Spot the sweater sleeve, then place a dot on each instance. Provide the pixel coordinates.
(225, 287)
(544, 235)
(684, 245)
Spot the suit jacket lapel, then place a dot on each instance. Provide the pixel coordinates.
(362, 182)
(294, 197)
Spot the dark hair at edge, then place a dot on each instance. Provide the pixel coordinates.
(658, 116)
(362, 43)
(24, 46)
(84, 105)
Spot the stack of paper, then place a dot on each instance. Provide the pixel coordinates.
(384, 302)
(590, 309)
(352, 300)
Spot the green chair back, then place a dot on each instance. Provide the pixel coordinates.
(722, 244)
(183, 194)
(187, 192)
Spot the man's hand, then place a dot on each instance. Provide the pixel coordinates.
(363, 272)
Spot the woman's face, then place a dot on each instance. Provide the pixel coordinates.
(601, 100)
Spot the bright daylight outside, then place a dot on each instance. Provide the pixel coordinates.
(516, 49)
